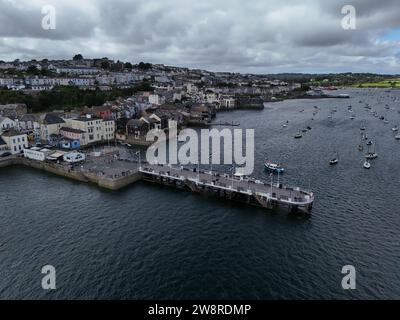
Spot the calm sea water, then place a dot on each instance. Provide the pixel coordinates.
(150, 242)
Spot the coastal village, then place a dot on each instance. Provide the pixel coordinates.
(178, 95)
(95, 143)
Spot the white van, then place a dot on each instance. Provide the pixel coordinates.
(74, 157)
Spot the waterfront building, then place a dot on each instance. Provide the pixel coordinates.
(72, 138)
(95, 129)
(16, 141)
(36, 153)
(50, 124)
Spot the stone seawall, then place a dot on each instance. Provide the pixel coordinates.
(111, 184)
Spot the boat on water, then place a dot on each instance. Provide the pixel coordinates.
(298, 136)
(395, 129)
(367, 165)
(371, 155)
(397, 137)
(334, 160)
(352, 117)
(274, 167)
(361, 147)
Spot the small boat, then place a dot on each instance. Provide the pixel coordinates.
(371, 155)
(334, 161)
(369, 143)
(298, 136)
(397, 137)
(304, 130)
(361, 147)
(274, 167)
(385, 121)
(352, 117)
(395, 129)
(367, 165)
(309, 128)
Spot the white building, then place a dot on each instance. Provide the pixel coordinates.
(16, 141)
(36, 153)
(94, 129)
(6, 124)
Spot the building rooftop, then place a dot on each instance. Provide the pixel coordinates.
(87, 119)
(66, 129)
(11, 133)
(52, 119)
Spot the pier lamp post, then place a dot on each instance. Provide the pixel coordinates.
(140, 160)
(272, 182)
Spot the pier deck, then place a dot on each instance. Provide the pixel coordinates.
(246, 190)
(115, 174)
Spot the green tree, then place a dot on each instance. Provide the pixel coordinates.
(78, 57)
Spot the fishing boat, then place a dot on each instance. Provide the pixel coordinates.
(367, 165)
(274, 167)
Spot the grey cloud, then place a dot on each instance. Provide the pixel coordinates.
(257, 36)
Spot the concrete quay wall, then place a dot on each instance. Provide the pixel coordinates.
(103, 182)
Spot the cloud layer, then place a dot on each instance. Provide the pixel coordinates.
(257, 36)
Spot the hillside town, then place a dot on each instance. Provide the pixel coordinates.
(176, 95)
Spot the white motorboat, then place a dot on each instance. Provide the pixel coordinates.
(274, 167)
(367, 165)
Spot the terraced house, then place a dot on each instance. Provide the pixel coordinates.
(94, 129)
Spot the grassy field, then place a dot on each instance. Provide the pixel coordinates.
(393, 83)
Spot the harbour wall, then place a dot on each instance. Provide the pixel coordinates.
(77, 175)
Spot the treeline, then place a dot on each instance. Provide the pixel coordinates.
(67, 98)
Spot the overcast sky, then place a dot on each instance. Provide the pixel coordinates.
(255, 36)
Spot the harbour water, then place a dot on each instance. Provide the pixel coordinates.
(153, 242)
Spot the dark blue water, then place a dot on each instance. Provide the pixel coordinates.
(150, 242)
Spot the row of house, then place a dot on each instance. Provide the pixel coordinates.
(53, 129)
